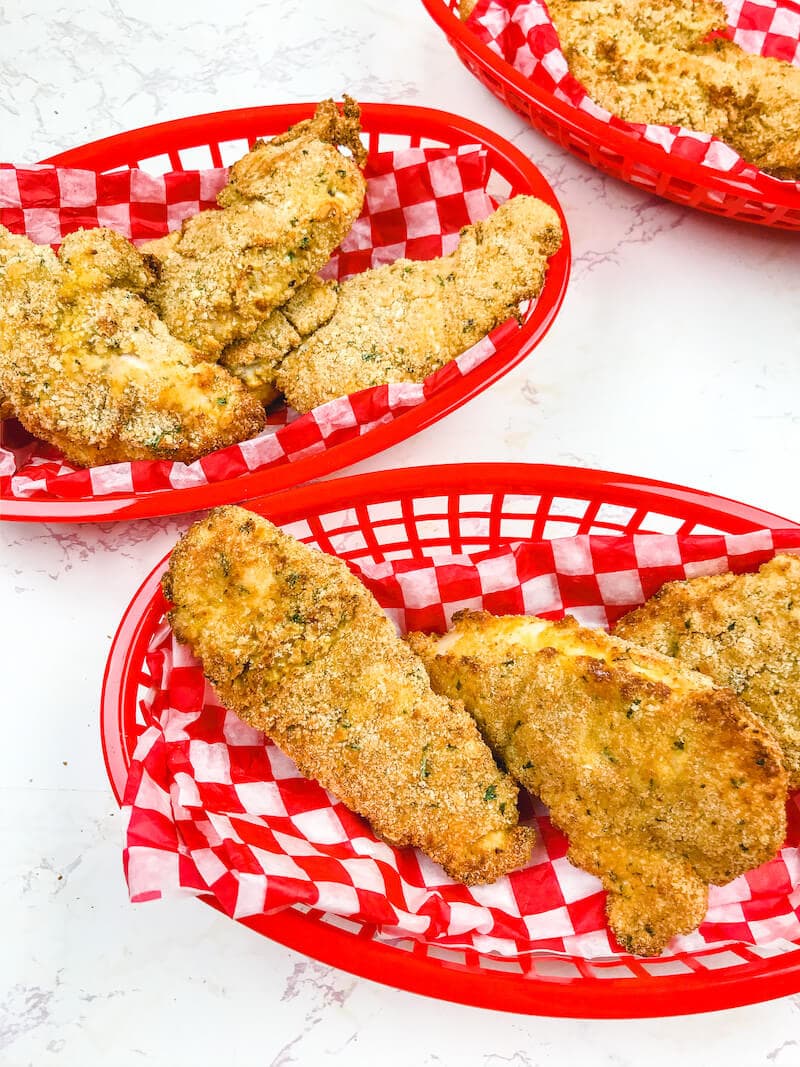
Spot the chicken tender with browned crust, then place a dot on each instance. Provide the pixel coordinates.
(87, 365)
(312, 305)
(296, 646)
(651, 61)
(287, 205)
(679, 23)
(256, 360)
(662, 782)
(743, 631)
(664, 21)
(401, 322)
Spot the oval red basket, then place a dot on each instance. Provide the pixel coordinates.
(614, 151)
(408, 514)
(386, 126)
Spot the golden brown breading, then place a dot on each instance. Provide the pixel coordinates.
(312, 305)
(296, 646)
(743, 631)
(401, 322)
(158, 249)
(649, 61)
(87, 365)
(662, 782)
(256, 360)
(286, 206)
(663, 21)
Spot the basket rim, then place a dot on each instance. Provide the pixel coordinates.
(388, 118)
(584, 997)
(702, 177)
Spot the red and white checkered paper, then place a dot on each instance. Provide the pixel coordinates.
(417, 201)
(213, 807)
(522, 33)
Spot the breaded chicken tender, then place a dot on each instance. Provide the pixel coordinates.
(662, 782)
(297, 647)
(86, 364)
(743, 631)
(651, 61)
(257, 359)
(401, 322)
(287, 205)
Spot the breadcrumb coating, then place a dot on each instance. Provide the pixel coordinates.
(287, 205)
(743, 631)
(296, 646)
(401, 322)
(652, 61)
(256, 360)
(312, 305)
(662, 782)
(86, 365)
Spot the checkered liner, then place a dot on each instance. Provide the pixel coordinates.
(521, 32)
(214, 808)
(417, 201)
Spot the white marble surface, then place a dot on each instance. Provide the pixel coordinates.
(675, 356)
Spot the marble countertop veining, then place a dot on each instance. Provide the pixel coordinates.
(676, 356)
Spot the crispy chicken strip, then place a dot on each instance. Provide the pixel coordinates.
(663, 21)
(650, 61)
(288, 203)
(86, 364)
(257, 359)
(401, 322)
(297, 647)
(743, 631)
(662, 782)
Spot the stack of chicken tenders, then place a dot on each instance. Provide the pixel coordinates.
(664, 779)
(170, 351)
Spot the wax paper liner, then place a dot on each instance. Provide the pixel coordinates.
(522, 33)
(213, 807)
(417, 201)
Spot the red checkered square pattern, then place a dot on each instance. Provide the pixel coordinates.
(213, 807)
(521, 32)
(417, 201)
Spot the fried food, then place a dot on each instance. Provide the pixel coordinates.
(86, 364)
(662, 782)
(651, 61)
(743, 631)
(296, 646)
(287, 205)
(257, 359)
(401, 322)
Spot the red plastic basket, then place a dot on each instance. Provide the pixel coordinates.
(614, 151)
(177, 146)
(410, 514)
